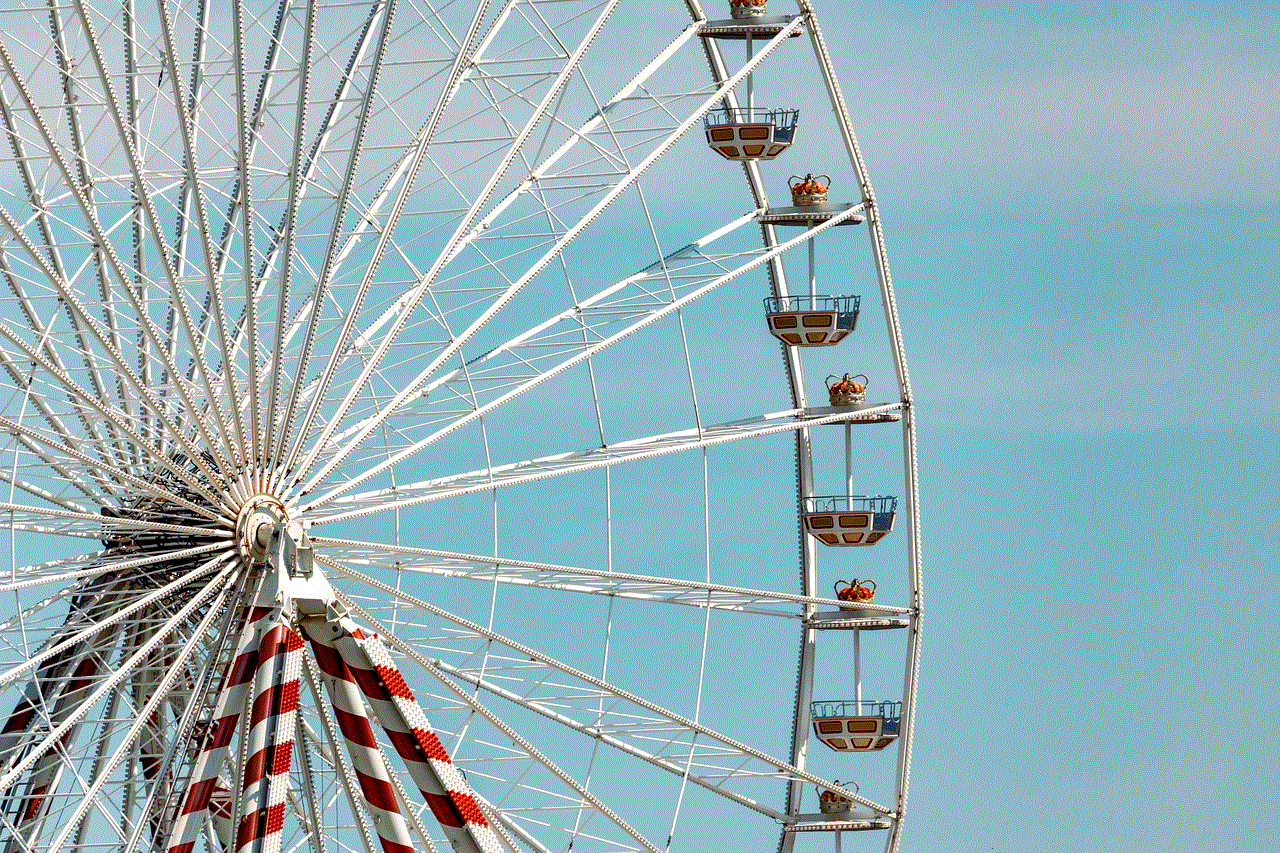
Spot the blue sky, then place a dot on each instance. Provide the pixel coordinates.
(1082, 207)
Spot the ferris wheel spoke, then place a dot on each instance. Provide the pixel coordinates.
(189, 192)
(284, 242)
(249, 125)
(568, 67)
(597, 321)
(154, 682)
(13, 770)
(401, 176)
(112, 607)
(578, 355)
(183, 103)
(45, 351)
(342, 204)
(69, 387)
(240, 206)
(153, 361)
(241, 201)
(55, 261)
(57, 451)
(500, 476)
(91, 565)
(22, 374)
(615, 171)
(663, 740)
(583, 134)
(81, 158)
(41, 444)
(154, 229)
(97, 526)
(525, 573)
(51, 466)
(117, 359)
(280, 239)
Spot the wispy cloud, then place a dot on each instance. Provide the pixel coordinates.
(1090, 106)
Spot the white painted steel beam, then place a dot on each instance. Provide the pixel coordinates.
(499, 476)
(488, 569)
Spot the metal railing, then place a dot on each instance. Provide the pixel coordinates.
(879, 504)
(840, 304)
(782, 120)
(888, 710)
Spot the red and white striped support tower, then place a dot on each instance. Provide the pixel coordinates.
(348, 655)
(208, 773)
(272, 720)
(375, 784)
(263, 682)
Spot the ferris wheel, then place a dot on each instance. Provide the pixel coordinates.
(395, 452)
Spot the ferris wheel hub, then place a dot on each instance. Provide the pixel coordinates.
(257, 518)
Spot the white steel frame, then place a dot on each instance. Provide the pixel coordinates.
(273, 284)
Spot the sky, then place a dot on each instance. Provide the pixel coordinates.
(1082, 209)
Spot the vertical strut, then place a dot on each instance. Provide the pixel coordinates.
(272, 723)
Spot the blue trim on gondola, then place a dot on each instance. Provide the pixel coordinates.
(889, 711)
(783, 121)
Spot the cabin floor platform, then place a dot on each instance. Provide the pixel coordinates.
(837, 822)
(876, 418)
(863, 618)
(809, 214)
(766, 26)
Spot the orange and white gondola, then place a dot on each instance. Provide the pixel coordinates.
(856, 726)
(750, 134)
(811, 321)
(846, 520)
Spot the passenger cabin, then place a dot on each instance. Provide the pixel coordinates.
(849, 520)
(856, 726)
(750, 134)
(811, 321)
